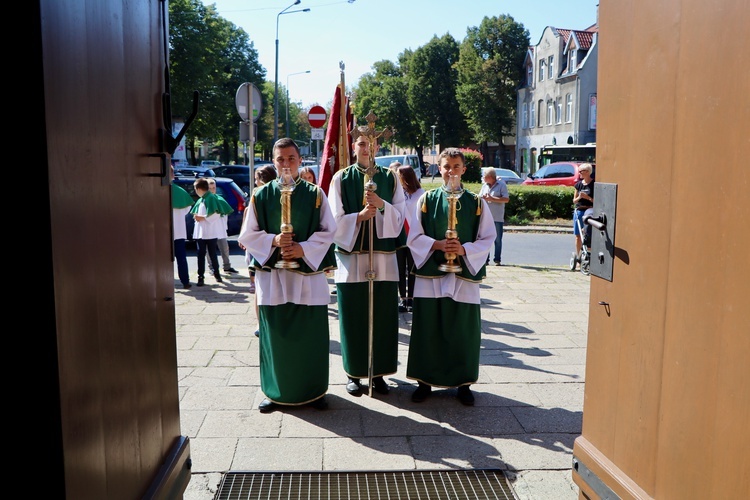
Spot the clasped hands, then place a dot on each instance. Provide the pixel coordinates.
(290, 249)
(373, 203)
(452, 245)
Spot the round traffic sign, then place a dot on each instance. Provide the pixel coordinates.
(248, 93)
(317, 116)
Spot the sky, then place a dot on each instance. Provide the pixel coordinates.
(362, 32)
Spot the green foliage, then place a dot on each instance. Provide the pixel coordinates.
(529, 203)
(473, 161)
(490, 69)
(467, 90)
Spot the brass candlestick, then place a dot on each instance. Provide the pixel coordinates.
(286, 185)
(454, 191)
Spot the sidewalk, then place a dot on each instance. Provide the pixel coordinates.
(529, 396)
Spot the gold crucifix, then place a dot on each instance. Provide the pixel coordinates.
(373, 135)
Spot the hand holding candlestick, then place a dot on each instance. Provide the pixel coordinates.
(453, 190)
(286, 186)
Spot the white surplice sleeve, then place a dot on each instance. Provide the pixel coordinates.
(320, 241)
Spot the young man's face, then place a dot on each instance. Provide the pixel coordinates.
(451, 165)
(362, 150)
(212, 187)
(286, 158)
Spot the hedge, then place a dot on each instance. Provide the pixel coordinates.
(528, 203)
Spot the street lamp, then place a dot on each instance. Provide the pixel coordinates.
(276, 77)
(287, 97)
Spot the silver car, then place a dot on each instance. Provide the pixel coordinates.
(509, 176)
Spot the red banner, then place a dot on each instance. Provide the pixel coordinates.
(337, 147)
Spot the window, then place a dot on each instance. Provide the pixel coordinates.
(532, 118)
(550, 111)
(551, 67)
(541, 70)
(558, 110)
(530, 75)
(572, 60)
(568, 108)
(540, 116)
(525, 116)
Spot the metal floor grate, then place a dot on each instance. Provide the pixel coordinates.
(382, 485)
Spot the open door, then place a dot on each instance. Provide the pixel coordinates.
(667, 398)
(114, 422)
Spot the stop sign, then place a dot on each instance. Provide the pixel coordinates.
(317, 116)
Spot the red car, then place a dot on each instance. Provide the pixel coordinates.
(561, 173)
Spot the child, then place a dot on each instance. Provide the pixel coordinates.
(446, 322)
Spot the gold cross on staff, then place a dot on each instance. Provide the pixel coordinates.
(373, 135)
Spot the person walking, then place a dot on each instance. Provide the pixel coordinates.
(208, 228)
(446, 321)
(292, 302)
(182, 202)
(413, 190)
(357, 211)
(495, 192)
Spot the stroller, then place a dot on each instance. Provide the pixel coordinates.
(584, 232)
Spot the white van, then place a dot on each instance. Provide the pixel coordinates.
(411, 160)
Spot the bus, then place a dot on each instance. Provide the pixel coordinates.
(570, 152)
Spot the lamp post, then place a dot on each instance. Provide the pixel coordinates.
(287, 97)
(432, 151)
(276, 77)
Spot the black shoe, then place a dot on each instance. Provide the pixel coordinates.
(354, 387)
(186, 285)
(421, 393)
(402, 306)
(201, 282)
(465, 395)
(256, 333)
(267, 406)
(379, 385)
(409, 305)
(231, 270)
(320, 403)
(218, 277)
(497, 263)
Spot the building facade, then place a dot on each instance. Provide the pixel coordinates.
(557, 103)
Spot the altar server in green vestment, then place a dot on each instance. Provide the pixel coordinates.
(292, 302)
(446, 322)
(356, 210)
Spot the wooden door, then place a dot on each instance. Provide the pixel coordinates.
(110, 249)
(667, 397)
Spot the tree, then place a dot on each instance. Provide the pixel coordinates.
(214, 57)
(432, 77)
(490, 70)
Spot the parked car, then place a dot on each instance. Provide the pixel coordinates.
(412, 160)
(240, 174)
(228, 190)
(509, 176)
(561, 173)
(194, 172)
(210, 163)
